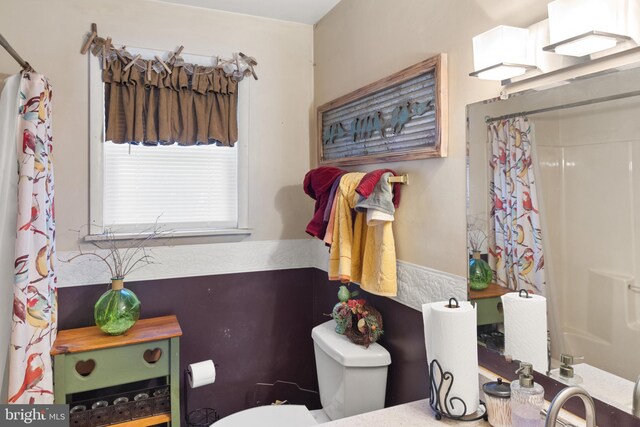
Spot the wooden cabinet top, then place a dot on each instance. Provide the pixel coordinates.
(492, 291)
(92, 338)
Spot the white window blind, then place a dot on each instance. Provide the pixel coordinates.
(184, 187)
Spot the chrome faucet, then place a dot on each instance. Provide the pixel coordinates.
(636, 399)
(562, 397)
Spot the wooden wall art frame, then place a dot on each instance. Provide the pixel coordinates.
(400, 117)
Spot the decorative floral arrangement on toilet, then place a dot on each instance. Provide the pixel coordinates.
(355, 319)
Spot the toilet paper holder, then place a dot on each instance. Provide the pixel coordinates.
(199, 417)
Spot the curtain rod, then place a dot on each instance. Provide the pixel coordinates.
(24, 64)
(565, 106)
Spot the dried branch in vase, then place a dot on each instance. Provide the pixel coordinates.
(476, 233)
(122, 261)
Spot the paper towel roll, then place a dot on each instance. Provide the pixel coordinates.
(525, 329)
(201, 373)
(450, 337)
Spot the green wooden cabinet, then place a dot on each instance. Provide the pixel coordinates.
(489, 311)
(489, 304)
(86, 359)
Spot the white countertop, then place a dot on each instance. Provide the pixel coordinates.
(419, 414)
(413, 414)
(605, 386)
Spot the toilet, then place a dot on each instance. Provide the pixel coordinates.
(352, 380)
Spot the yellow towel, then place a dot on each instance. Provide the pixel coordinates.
(359, 253)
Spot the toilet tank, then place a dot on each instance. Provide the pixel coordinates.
(352, 379)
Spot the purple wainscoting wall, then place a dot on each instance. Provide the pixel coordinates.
(255, 326)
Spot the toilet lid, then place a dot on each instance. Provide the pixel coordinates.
(270, 416)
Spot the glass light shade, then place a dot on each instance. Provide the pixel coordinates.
(501, 53)
(573, 18)
(586, 46)
(501, 72)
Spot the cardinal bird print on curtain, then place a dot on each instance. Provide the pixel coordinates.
(515, 237)
(34, 301)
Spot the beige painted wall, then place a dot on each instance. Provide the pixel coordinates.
(359, 42)
(49, 35)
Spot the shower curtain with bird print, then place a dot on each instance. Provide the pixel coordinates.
(515, 237)
(35, 294)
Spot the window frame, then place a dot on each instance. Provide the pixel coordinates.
(96, 158)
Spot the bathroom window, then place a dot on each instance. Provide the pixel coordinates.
(189, 190)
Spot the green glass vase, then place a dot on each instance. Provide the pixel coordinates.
(117, 310)
(480, 274)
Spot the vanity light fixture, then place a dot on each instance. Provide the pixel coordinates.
(501, 53)
(582, 27)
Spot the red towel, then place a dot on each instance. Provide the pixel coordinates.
(317, 185)
(369, 181)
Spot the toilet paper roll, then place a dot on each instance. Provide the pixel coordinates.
(525, 329)
(201, 373)
(450, 337)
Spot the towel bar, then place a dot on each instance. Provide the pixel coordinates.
(402, 179)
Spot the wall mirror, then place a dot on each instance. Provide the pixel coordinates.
(584, 161)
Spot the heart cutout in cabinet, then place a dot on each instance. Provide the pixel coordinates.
(152, 356)
(85, 367)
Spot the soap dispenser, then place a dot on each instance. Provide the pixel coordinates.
(565, 373)
(527, 399)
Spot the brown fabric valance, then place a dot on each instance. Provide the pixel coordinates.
(187, 108)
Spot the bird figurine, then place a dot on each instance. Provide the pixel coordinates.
(32, 375)
(400, 116)
(369, 127)
(419, 108)
(379, 124)
(361, 128)
(353, 129)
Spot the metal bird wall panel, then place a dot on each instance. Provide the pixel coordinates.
(401, 117)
